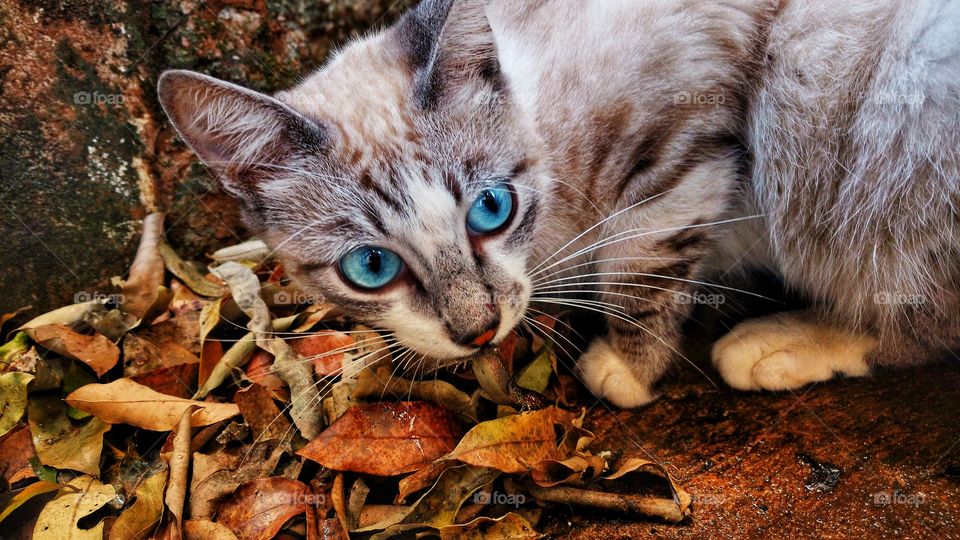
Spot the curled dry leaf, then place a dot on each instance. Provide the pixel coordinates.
(385, 439)
(245, 288)
(513, 444)
(60, 518)
(188, 273)
(13, 399)
(142, 519)
(499, 386)
(179, 463)
(126, 402)
(259, 508)
(144, 288)
(95, 350)
(61, 443)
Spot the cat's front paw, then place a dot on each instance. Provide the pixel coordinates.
(607, 374)
(786, 351)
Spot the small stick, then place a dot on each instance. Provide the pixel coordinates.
(665, 509)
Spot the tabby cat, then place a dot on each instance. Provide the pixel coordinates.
(480, 162)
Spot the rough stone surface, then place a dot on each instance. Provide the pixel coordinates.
(85, 150)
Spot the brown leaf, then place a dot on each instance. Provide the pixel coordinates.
(126, 402)
(198, 529)
(142, 289)
(514, 443)
(324, 350)
(179, 462)
(385, 439)
(259, 508)
(260, 370)
(143, 517)
(178, 380)
(16, 450)
(256, 461)
(189, 273)
(262, 415)
(95, 350)
(511, 526)
(59, 442)
(422, 479)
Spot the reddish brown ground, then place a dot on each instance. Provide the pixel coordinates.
(746, 459)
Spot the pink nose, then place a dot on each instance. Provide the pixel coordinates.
(484, 338)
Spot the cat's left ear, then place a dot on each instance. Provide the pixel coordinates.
(450, 46)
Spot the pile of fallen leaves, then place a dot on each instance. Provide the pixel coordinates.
(220, 402)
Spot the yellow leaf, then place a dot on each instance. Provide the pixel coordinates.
(59, 518)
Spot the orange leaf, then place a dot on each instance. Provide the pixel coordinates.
(94, 350)
(385, 439)
(259, 508)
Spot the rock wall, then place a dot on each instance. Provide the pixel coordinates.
(85, 150)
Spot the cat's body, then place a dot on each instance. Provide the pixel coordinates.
(647, 144)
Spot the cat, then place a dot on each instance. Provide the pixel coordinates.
(479, 162)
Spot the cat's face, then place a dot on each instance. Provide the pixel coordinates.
(400, 182)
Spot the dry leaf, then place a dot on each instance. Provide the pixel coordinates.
(259, 508)
(385, 439)
(60, 517)
(179, 463)
(95, 350)
(245, 289)
(512, 444)
(13, 399)
(140, 520)
(59, 442)
(126, 402)
(382, 382)
(27, 493)
(198, 529)
(263, 416)
(509, 527)
(188, 273)
(144, 288)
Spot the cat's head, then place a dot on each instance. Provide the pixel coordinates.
(400, 181)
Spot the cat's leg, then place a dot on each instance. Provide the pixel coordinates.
(645, 279)
(789, 350)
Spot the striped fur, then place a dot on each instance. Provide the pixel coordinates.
(649, 142)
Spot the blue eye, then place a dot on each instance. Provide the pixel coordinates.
(490, 210)
(370, 267)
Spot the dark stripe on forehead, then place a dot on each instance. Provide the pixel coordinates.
(452, 183)
(368, 183)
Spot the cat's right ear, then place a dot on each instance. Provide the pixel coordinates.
(245, 137)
